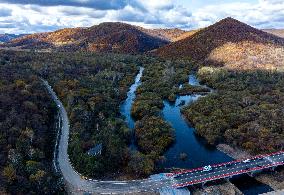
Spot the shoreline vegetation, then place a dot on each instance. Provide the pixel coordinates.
(153, 134)
(188, 89)
(160, 81)
(244, 111)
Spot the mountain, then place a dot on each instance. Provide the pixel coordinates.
(105, 37)
(185, 35)
(166, 34)
(8, 37)
(277, 32)
(229, 43)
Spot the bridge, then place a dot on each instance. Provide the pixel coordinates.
(227, 170)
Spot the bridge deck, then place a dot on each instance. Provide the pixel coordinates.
(226, 170)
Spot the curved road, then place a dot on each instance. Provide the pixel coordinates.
(82, 184)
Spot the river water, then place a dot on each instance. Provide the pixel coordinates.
(198, 152)
(125, 108)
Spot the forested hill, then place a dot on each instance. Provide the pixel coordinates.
(105, 37)
(229, 43)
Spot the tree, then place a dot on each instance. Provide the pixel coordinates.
(140, 164)
(10, 173)
(32, 166)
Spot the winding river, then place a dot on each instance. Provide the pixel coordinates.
(125, 107)
(198, 152)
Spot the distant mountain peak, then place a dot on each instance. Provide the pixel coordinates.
(8, 37)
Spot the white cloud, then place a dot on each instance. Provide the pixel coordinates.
(29, 18)
(264, 14)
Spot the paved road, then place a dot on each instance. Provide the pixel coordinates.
(229, 169)
(79, 183)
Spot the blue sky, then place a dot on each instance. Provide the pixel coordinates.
(195, 4)
(29, 16)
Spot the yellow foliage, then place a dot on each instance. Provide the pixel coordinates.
(249, 55)
(10, 173)
(37, 176)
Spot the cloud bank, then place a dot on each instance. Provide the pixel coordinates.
(29, 16)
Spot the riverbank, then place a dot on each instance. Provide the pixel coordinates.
(235, 153)
(222, 189)
(274, 179)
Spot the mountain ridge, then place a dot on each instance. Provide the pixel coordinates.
(105, 37)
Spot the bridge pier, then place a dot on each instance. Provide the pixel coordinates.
(251, 174)
(228, 178)
(272, 168)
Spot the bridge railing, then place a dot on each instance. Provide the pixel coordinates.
(173, 174)
(226, 175)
